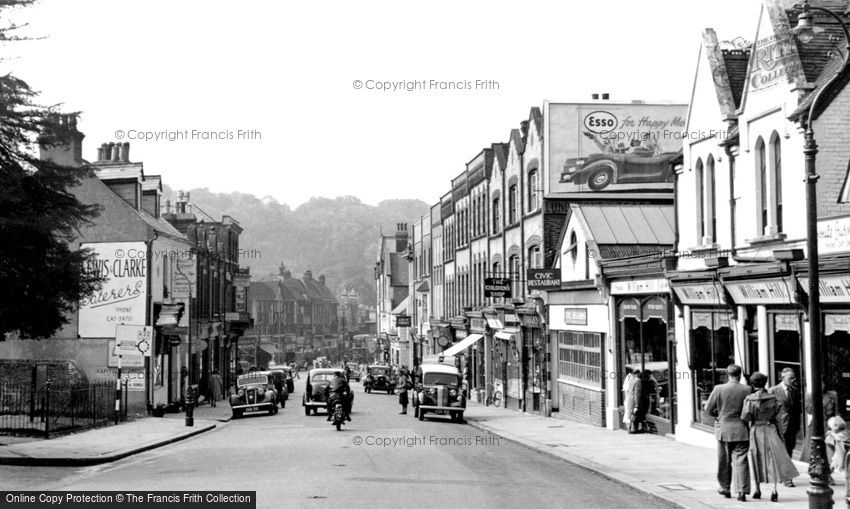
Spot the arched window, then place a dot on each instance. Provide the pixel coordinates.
(513, 267)
(496, 219)
(512, 198)
(761, 183)
(532, 190)
(711, 199)
(699, 177)
(776, 176)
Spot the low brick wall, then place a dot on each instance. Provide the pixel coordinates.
(581, 404)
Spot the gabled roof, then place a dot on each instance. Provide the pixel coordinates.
(536, 117)
(736, 63)
(152, 183)
(500, 151)
(516, 141)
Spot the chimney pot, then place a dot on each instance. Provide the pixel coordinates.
(113, 149)
(125, 151)
(605, 96)
(595, 97)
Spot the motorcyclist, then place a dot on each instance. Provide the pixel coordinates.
(339, 388)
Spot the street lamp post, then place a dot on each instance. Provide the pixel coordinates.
(820, 494)
(189, 395)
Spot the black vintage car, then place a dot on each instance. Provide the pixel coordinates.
(379, 377)
(316, 394)
(255, 392)
(600, 170)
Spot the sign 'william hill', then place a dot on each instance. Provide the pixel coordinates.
(495, 287)
(544, 279)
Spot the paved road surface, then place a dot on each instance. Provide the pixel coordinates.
(380, 459)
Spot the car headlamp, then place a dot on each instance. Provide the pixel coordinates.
(240, 393)
(432, 391)
(261, 390)
(453, 393)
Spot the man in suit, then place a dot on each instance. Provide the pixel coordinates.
(725, 404)
(790, 408)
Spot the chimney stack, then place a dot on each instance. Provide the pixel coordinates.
(308, 276)
(594, 97)
(605, 96)
(168, 206)
(281, 270)
(322, 279)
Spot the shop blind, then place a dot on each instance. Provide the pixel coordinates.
(580, 356)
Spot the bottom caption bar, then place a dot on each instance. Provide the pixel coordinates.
(136, 499)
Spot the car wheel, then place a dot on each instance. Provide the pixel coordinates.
(237, 414)
(392, 393)
(307, 410)
(283, 404)
(415, 411)
(600, 178)
(421, 414)
(315, 411)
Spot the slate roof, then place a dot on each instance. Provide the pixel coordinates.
(500, 150)
(261, 290)
(152, 183)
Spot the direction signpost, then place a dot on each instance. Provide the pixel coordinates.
(131, 341)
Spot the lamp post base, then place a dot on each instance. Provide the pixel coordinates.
(820, 494)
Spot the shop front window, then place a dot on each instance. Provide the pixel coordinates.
(710, 352)
(643, 333)
(787, 348)
(836, 330)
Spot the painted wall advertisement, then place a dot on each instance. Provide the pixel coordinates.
(613, 147)
(123, 296)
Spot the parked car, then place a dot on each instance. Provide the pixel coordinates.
(379, 377)
(439, 390)
(355, 371)
(600, 170)
(278, 377)
(315, 396)
(255, 392)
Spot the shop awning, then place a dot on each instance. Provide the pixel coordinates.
(401, 308)
(463, 345)
(507, 334)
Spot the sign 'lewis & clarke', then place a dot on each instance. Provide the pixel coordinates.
(123, 296)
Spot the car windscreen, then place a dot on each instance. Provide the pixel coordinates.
(253, 379)
(379, 371)
(439, 379)
(322, 377)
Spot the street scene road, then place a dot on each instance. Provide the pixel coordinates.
(380, 459)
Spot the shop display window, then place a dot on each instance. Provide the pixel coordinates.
(710, 352)
(836, 331)
(643, 334)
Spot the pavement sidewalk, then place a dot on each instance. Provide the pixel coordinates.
(682, 474)
(111, 443)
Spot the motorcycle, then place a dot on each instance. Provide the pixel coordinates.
(338, 416)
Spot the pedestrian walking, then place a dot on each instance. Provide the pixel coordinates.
(768, 456)
(215, 387)
(643, 390)
(790, 408)
(725, 404)
(404, 385)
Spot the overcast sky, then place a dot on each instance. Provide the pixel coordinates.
(287, 70)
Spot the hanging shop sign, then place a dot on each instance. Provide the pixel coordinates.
(575, 316)
(767, 291)
(543, 279)
(833, 289)
(833, 323)
(708, 294)
(497, 287)
(640, 286)
(185, 278)
(122, 298)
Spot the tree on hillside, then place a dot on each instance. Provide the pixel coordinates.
(41, 276)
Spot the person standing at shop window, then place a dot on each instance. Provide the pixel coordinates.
(629, 382)
(790, 409)
(726, 404)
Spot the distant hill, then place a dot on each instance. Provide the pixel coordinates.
(337, 237)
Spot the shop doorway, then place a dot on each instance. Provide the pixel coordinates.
(788, 353)
(644, 349)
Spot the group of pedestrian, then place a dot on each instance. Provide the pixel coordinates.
(754, 429)
(639, 387)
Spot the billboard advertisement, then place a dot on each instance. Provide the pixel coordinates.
(613, 147)
(123, 296)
